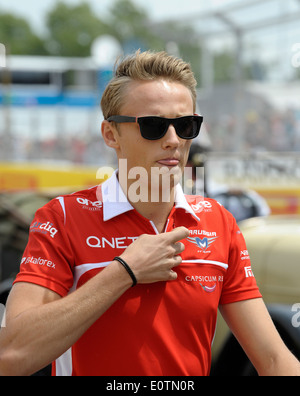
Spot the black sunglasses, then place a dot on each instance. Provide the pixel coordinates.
(154, 128)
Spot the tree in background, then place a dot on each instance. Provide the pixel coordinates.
(72, 29)
(131, 25)
(18, 37)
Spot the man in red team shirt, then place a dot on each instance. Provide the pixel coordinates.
(114, 282)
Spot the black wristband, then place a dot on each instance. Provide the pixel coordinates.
(128, 269)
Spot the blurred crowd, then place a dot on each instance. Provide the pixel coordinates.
(76, 150)
(265, 130)
(271, 130)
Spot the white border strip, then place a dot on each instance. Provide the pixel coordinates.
(79, 270)
(218, 263)
(64, 364)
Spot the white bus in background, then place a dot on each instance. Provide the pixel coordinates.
(48, 98)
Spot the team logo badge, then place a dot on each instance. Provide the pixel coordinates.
(203, 243)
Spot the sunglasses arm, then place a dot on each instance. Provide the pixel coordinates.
(121, 119)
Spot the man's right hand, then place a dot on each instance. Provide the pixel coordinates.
(153, 257)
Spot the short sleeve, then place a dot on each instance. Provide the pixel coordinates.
(47, 260)
(239, 282)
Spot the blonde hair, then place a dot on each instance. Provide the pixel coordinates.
(145, 66)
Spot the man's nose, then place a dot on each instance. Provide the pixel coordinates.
(171, 139)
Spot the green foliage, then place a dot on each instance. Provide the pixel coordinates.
(18, 37)
(73, 29)
(224, 67)
(130, 26)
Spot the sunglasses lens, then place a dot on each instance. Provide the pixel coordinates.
(186, 127)
(152, 128)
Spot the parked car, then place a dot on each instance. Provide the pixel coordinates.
(274, 246)
(16, 214)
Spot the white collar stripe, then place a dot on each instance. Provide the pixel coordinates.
(115, 202)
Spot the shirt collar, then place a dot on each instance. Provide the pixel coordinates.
(181, 202)
(115, 201)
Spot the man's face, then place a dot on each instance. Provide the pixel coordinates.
(167, 155)
(154, 98)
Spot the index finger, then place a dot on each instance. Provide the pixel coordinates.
(177, 234)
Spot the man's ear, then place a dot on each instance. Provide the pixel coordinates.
(110, 134)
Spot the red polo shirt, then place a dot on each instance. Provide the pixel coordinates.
(165, 328)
